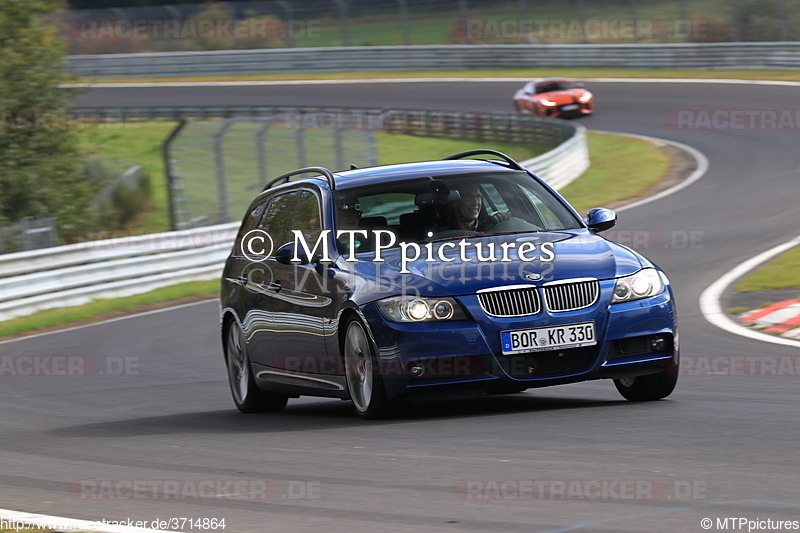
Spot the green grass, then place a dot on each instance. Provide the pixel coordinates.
(66, 315)
(396, 148)
(438, 27)
(136, 142)
(783, 272)
(527, 73)
(621, 167)
(141, 142)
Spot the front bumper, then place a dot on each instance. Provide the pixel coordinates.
(633, 338)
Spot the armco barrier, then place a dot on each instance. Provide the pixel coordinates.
(781, 55)
(77, 273)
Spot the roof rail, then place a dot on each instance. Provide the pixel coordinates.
(469, 153)
(319, 170)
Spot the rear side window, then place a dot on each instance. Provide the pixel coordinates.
(249, 223)
(275, 221)
(306, 218)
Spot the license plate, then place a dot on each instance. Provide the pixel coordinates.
(549, 338)
(569, 107)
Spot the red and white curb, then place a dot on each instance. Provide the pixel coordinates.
(782, 318)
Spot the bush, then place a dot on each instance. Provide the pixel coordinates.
(121, 194)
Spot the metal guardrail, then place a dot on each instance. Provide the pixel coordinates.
(778, 55)
(77, 273)
(565, 163)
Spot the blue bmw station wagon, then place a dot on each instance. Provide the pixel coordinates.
(466, 276)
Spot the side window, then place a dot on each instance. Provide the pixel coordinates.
(275, 221)
(549, 218)
(249, 223)
(306, 218)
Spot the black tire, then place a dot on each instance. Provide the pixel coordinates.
(648, 388)
(364, 381)
(246, 394)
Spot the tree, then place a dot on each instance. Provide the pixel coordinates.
(39, 153)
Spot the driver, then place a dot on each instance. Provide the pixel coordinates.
(467, 210)
(464, 213)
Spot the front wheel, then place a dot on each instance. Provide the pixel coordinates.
(364, 381)
(647, 388)
(246, 394)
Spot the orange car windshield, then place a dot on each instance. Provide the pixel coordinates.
(558, 86)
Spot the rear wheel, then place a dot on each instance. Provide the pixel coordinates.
(246, 394)
(364, 381)
(647, 388)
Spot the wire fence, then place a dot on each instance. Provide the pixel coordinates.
(28, 234)
(216, 167)
(328, 23)
(119, 200)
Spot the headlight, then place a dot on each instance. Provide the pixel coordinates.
(547, 102)
(644, 284)
(413, 309)
(585, 97)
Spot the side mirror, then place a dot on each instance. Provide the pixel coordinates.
(600, 219)
(287, 252)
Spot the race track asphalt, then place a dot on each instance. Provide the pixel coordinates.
(720, 446)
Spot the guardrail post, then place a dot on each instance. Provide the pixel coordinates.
(338, 147)
(344, 17)
(261, 150)
(289, 20)
(635, 15)
(300, 140)
(780, 14)
(372, 156)
(579, 7)
(686, 21)
(170, 171)
(219, 159)
(402, 7)
(734, 9)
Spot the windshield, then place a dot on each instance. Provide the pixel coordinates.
(557, 86)
(451, 207)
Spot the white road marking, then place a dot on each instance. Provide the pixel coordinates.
(59, 523)
(712, 309)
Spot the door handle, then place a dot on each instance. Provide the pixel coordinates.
(275, 286)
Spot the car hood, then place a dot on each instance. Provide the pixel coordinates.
(575, 254)
(563, 97)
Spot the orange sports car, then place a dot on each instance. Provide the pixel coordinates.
(554, 97)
